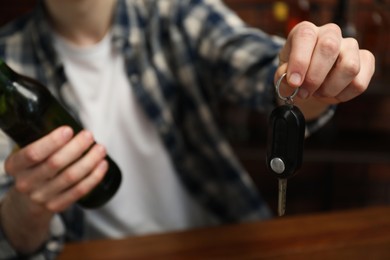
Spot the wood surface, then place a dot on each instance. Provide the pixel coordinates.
(352, 234)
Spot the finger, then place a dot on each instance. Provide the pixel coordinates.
(62, 158)
(283, 88)
(82, 188)
(302, 42)
(30, 180)
(343, 72)
(71, 175)
(362, 80)
(38, 151)
(324, 57)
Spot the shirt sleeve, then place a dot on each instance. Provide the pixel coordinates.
(57, 231)
(48, 251)
(239, 60)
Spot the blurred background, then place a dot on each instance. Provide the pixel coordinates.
(347, 163)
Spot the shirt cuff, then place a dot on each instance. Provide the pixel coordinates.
(49, 251)
(316, 124)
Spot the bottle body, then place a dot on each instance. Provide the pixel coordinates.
(28, 111)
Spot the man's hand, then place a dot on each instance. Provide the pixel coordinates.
(328, 68)
(50, 175)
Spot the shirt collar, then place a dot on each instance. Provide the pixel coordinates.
(121, 24)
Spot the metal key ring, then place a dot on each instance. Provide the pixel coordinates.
(287, 98)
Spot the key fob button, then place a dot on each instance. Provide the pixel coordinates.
(277, 165)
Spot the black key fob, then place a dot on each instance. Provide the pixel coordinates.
(286, 136)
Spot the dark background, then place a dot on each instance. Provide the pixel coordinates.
(347, 163)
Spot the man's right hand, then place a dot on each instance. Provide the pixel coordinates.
(50, 174)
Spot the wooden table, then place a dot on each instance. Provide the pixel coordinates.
(353, 234)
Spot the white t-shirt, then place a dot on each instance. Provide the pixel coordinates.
(151, 199)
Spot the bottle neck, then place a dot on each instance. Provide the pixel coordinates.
(6, 74)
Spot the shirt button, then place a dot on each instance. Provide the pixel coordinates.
(134, 79)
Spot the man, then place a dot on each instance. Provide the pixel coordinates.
(143, 77)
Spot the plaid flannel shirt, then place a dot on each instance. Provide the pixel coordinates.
(182, 58)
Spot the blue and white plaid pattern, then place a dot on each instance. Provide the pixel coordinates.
(182, 58)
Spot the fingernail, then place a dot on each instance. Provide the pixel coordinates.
(103, 166)
(101, 149)
(67, 132)
(295, 79)
(87, 134)
(303, 93)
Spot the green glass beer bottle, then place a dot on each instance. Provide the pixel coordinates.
(28, 111)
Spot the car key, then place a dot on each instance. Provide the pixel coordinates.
(286, 135)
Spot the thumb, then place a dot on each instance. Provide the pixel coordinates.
(283, 86)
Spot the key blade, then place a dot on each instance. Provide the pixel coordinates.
(282, 196)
